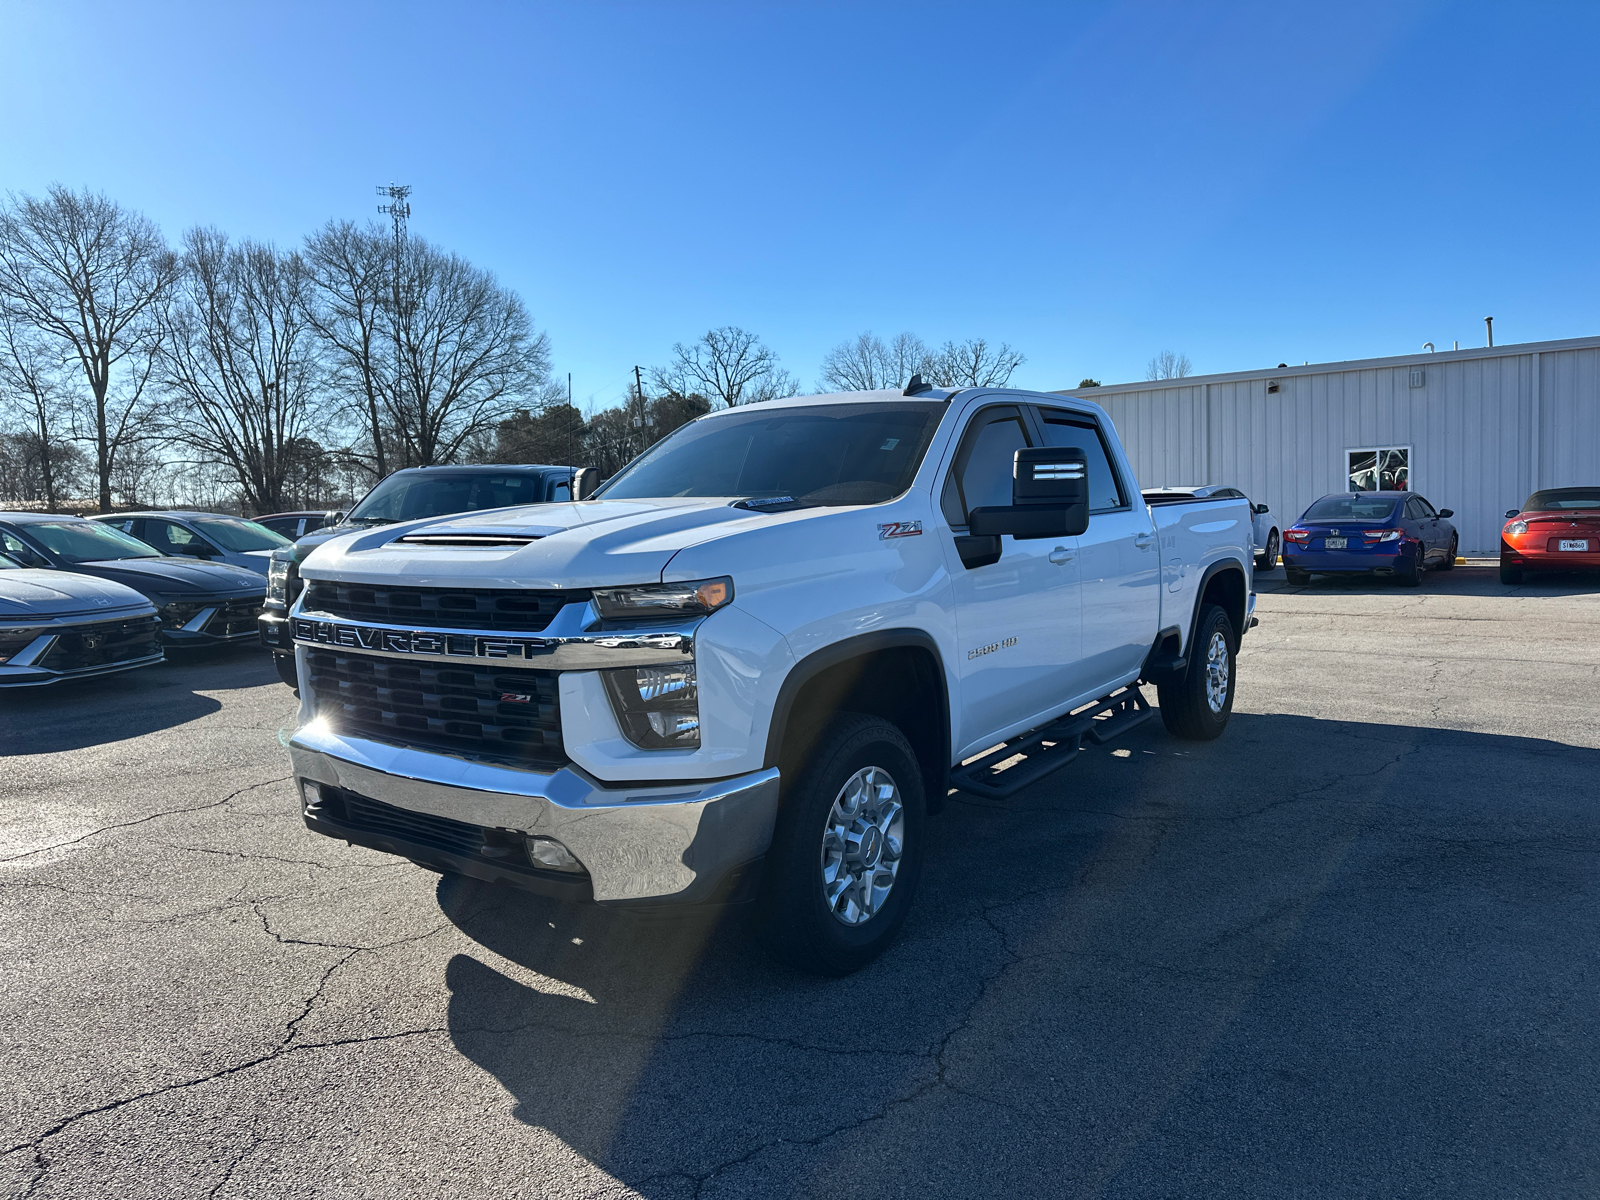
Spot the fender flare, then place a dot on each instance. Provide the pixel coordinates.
(831, 655)
(1159, 669)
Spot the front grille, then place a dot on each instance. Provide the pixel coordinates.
(476, 710)
(103, 643)
(509, 609)
(236, 616)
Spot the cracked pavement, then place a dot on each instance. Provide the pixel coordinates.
(1348, 949)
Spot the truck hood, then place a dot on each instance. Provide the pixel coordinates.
(589, 543)
(30, 594)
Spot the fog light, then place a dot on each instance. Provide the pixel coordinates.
(552, 855)
(312, 793)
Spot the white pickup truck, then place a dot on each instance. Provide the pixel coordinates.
(755, 662)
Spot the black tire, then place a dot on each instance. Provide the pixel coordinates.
(1298, 578)
(286, 670)
(798, 921)
(1186, 707)
(1268, 558)
(1413, 577)
(1510, 575)
(1449, 563)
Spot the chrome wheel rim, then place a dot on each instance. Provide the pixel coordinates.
(1217, 672)
(862, 844)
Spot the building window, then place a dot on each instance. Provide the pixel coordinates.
(1384, 469)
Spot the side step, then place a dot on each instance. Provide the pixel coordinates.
(1051, 746)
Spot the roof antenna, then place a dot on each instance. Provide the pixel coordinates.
(916, 386)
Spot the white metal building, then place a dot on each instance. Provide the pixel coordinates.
(1472, 430)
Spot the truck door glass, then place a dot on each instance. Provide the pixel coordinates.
(981, 476)
(1105, 492)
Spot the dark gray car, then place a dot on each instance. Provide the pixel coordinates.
(59, 625)
(200, 603)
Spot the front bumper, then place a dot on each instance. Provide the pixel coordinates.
(225, 622)
(81, 648)
(673, 844)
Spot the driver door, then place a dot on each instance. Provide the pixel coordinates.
(1017, 619)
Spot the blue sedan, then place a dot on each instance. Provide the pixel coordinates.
(1370, 533)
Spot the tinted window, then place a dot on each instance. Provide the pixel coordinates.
(1559, 498)
(403, 497)
(1351, 508)
(9, 564)
(1104, 490)
(239, 535)
(1424, 509)
(981, 477)
(823, 454)
(172, 538)
(18, 549)
(88, 541)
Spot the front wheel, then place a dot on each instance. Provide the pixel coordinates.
(1198, 705)
(1268, 558)
(847, 850)
(1449, 563)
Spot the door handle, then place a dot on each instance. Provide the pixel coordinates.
(1062, 555)
(1144, 540)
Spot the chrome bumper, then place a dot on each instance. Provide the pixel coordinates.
(673, 843)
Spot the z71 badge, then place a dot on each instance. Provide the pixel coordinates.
(896, 529)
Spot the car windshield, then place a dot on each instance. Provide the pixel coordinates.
(241, 535)
(407, 497)
(88, 541)
(826, 454)
(1351, 508)
(1563, 498)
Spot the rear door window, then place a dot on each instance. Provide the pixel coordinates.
(1064, 429)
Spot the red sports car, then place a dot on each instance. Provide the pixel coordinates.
(1556, 530)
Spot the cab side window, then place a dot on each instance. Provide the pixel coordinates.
(21, 551)
(1068, 429)
(174, 539)
(981, 474)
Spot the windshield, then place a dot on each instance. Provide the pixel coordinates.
(1351, 508)
(826, 454)
(404, 497)
(88, 541)
(238, 535)
(1562, 498)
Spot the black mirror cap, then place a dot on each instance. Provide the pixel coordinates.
(1511, 512)
(1262, 510)
(1447, 512)
(1057, 476)
(980, 551)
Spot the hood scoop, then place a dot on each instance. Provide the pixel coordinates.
(476, 540)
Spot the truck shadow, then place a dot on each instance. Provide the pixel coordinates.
(1147, 923)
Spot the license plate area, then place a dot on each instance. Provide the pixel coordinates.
(1579, 544)
(1334, 543)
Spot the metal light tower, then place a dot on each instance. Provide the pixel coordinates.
(397, 210)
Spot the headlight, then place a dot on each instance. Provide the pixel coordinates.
(657, 707)
(1517, 528)
(278, 581)
(655, 600)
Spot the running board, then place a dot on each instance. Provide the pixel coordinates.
(996, 777)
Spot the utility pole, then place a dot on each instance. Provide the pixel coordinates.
(397, 210)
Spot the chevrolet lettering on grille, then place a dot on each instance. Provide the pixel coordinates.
(419, 641)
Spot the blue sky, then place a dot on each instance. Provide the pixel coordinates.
(1093, 183)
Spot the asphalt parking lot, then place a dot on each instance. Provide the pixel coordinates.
(1347, 950)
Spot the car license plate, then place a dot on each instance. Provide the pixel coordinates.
(1574, 544)
(1333, 543)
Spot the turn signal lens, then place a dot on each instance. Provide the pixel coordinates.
(1517, 528)
(1299, 537)
(654, 600)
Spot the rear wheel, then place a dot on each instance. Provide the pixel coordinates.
(1198, 705)
(1268, 558)
(1449, 563)
(1510, 575)
(1298, 578)
(1413, 577)
(847, 850)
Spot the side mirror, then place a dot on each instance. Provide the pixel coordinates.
(1447, 512)
(333, 517)
(1511, 512)
(1261, 510)
(1049, 497)
(584, 482)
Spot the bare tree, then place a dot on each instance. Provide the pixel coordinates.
(469, 355)
(30, 384)
(350, 268)
(867, 363)
(1168, 365)
(81, 269)
(728, 365)
(972, 363)
(241, 358)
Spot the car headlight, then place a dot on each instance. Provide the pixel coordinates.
(655, 600)
(657, 707)
(1517, 528)
(278, 580)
